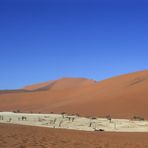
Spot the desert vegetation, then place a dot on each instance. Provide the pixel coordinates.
(138, 118)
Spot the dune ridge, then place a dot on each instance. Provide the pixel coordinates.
(121, 97)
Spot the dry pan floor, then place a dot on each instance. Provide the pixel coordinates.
(19, 136)
(74, 122)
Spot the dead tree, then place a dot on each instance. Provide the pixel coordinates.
(72, 119)
(90, 124)
(109, 118)
(60, 123)
(24, 118)
(54, 121)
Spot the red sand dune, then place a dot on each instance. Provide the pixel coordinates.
(17, 136)
(122, 96)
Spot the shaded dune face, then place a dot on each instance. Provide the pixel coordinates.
(36, 86)
(121, 97)
(40, 86)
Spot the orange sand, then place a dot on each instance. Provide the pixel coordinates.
(16, 136)
(122, 96)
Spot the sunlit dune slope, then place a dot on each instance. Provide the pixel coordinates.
(122, 96)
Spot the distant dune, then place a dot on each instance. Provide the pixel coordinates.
(122, 96)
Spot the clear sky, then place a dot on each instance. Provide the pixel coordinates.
(43, 40)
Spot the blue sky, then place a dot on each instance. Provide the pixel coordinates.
(42, 40)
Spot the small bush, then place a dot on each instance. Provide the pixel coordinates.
(63, 113)
(138, 118)
(93, 118)
(16, 111)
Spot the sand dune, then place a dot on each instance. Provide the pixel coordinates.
(122, 96)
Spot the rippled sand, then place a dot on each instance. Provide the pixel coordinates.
(18, 136)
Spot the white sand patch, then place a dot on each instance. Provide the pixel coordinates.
(74, 122)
